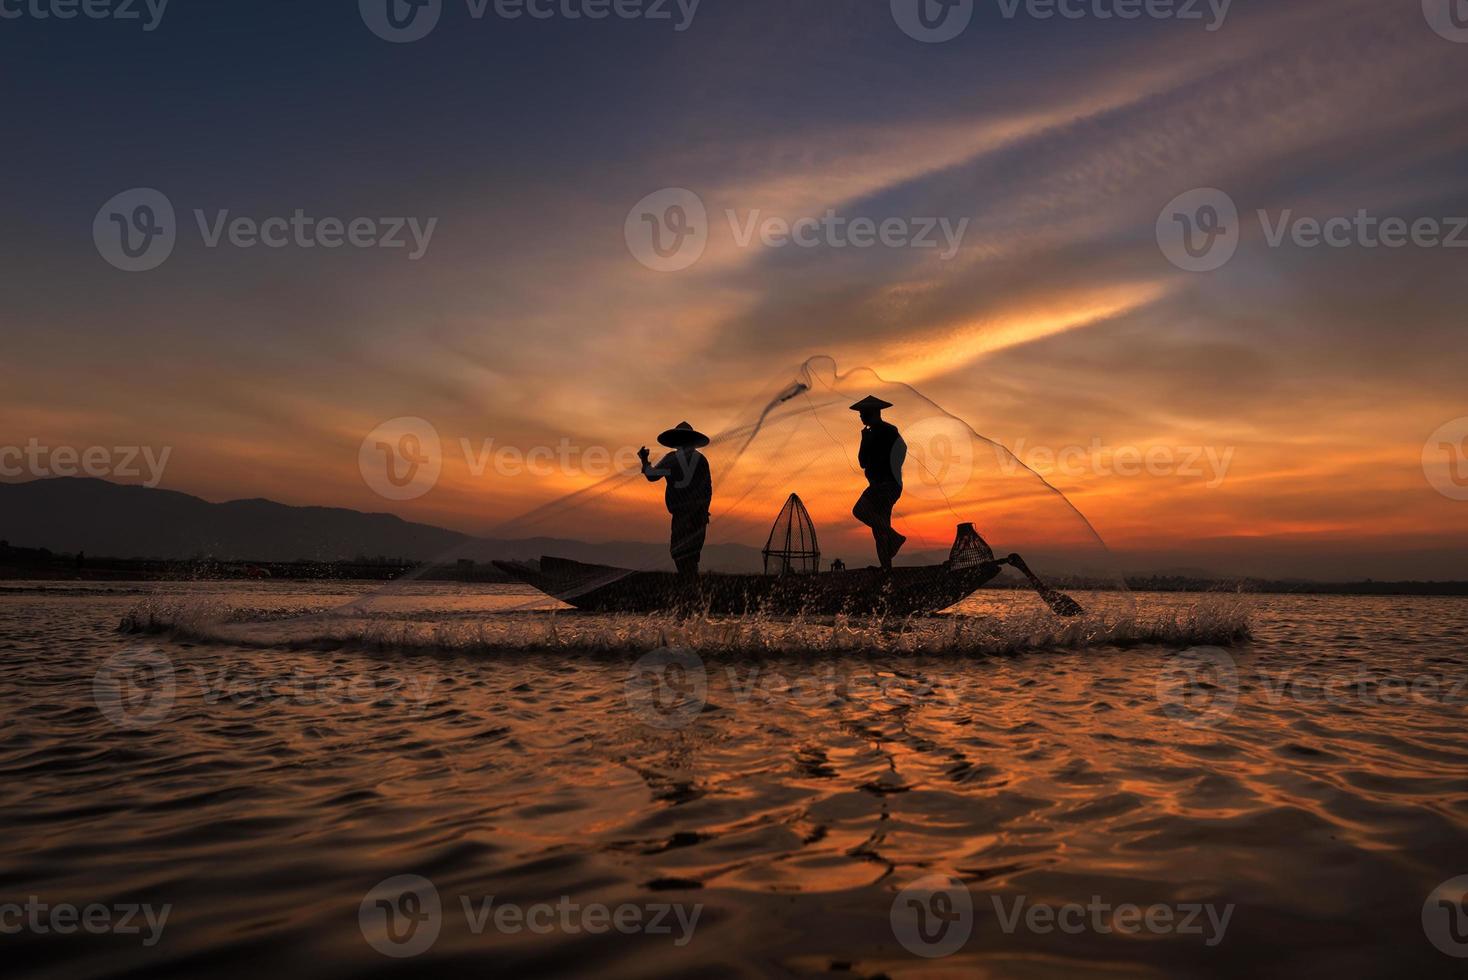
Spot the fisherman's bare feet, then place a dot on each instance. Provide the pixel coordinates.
(897, 541)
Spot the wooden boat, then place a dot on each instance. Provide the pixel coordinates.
(870, 591)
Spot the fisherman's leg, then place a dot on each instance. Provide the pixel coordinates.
(882, 538)
(888, 540)
(687, 560)
(879, 537)
(695, 546)
(895, 541)
(687, 543)
(867, 511)
(675, 543)
(882, 535)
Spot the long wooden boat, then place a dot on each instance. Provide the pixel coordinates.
(870, 591)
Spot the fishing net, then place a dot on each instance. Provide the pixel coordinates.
(963, 497)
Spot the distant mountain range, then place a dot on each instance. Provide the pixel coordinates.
(69, 515)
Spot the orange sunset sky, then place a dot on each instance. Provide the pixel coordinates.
(1313, 376)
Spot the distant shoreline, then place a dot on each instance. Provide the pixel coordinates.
(1268, 587)
(40, 565)
(28, 564)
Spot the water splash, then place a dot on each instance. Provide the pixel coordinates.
(1212, 620)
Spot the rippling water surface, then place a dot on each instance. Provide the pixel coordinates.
(1307, 787)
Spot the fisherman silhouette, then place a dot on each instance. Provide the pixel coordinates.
(688, 493)
(882, 454)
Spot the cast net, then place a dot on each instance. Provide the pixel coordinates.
(799, 438)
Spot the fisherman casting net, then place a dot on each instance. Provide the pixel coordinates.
(961, 496)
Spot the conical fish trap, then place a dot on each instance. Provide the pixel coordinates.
(792, 548)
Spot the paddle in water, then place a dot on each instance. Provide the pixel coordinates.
(1059, 602)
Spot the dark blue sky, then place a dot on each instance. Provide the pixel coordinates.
(1053, 143)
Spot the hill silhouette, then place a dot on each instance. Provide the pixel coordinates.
(73, 514)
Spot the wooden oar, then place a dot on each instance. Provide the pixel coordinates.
(1062, 604)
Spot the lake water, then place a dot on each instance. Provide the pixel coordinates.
(448, 779)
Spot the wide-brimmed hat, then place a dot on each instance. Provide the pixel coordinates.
(870, 401)
(683, 435)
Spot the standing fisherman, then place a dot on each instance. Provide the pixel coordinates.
(882, 454)
(688, 494)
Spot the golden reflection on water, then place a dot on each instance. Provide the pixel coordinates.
(792, 796)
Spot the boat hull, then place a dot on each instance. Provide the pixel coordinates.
(900, 592)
